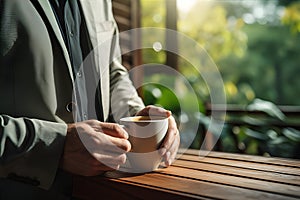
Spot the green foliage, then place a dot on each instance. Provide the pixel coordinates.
(292, 134)
(267, 107)
(256, 60)
(169, 92)
(153, 15)
(291, 17)
(285, 2)
(256, 135)
(157, 94)
(209, 26)
(269, 68)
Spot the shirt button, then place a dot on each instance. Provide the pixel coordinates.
(70, 106)
(85, 116)
(79, 74)
(71, 33)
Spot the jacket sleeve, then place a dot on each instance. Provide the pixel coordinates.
(30, 149)
(124, 97)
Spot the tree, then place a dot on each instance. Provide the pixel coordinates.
(207, 23)
(291, 16)
(269, 68)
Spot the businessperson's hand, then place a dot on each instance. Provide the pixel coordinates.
(170, 145)
(93, 147)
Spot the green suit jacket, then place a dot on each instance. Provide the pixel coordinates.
(36, 85)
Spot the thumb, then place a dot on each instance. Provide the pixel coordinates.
(114, 130)
(154, 111)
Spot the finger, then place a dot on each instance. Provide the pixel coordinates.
(110, 160)
(112, 129)
(120, 144)
(101, 143)
(112, 144)
(154, 111)
(172, 152)
(170, 136)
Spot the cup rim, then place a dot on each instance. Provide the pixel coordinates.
(149, 119)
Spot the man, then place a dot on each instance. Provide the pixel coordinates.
(42, 45)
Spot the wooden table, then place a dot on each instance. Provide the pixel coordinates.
(216, 176)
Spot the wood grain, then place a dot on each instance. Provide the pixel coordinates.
(216, 176)
(240, 172)
(246, 158)
(244, 164)
(197, 188)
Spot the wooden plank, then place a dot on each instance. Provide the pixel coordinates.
(122, 8)
(199, 187)
(247, 158)
(122, 21)
(240, 172)
(122, 12)
(192, 177)
(91, 188)
(258, 185)
(122, 2)
(243, 164)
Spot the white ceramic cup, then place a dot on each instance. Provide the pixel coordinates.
(145, 135)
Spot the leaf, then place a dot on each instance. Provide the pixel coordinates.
(267, 107)
(272, 134)
(253, 121)
(279, 140)
(292, 134)
(256, 134)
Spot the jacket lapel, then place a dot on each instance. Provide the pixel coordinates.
(51, 17)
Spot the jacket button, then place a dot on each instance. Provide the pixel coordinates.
(70, 107)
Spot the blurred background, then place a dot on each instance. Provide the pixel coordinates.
(255, 46)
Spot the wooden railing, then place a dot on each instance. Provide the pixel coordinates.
(292, 114)
(260, 123)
